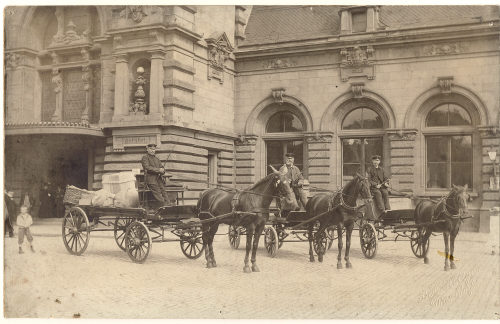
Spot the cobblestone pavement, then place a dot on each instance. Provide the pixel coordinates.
(105, 283)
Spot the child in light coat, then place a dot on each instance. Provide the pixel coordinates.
(24, 221)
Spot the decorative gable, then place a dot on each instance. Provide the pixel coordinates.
(218, 50)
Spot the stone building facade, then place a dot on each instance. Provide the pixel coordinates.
(227, 90)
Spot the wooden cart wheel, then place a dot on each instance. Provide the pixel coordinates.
(192, 243)
(138, 242)
(368, 240)
(271, 241)
(331, 234)
(76, 231)
(320, 242)
(418, 247)
(234, 236)
(120, 229)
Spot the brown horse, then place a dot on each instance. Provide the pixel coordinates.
(338, 209)
(444, 217)
(248, 208)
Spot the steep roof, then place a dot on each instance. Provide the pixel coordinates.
(269, 24)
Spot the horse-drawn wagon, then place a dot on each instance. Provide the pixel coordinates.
(134, 229)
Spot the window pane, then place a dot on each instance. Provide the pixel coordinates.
(353, 120)
(351, 150)
(459, 116)
(436, 175)
(350, 169)
(373, 146)
(371, 119)
(461, 149)
(438, 116)
(437, 149)
(461, 174)
(284, 121)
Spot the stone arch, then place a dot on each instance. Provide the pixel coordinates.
(29, 15)
(334, 115)
(423, 104)
(257, 119)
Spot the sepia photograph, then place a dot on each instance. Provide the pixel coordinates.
(327, 161)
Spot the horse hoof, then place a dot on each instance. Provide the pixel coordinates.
(348, 265)
(339, 265)
(311, 259)
(446, 268)
(320, 259)
(246, 269)
(255, 268)
(209, 265)
(453, 266)
(214, 264)
(426, 260)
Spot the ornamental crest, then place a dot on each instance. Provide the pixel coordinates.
(218, 50)
(357, 61)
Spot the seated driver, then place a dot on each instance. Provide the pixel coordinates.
(379, 183)
(295, 178)
(154, 172)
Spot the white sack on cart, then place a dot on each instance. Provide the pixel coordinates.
(128, 198)
(103, 198)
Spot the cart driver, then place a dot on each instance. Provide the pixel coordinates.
(154, 171)
(379, 184)
(295, 178)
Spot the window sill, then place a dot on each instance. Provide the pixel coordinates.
(441, 193)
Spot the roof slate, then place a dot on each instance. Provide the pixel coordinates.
(271, 24)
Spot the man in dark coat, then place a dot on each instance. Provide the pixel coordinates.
(10, 210)
(295, 177)
(154, 171)
(379, 184)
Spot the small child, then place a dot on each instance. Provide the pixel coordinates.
(24, 221)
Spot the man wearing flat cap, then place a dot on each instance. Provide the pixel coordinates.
(379, 183)
(295, 178)
(154, 171)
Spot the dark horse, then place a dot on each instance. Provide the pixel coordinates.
(337, 209)
(444, 217)
(248, 208)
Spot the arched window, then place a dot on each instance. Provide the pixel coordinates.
(449, 150)
(364, 138)
(284, 135)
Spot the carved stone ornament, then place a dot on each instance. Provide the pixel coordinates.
(139, 105)
(246, 140)
(357, 62)
(120, 142)
(445, 84)
(278, 94)
(136, 13)
(319, 137)
(278, 63)
(57, 80)
(489, 131)
(442, 49)
(12, 60)
(357, 89)
(70, 36)
(218, 51)
(402, 134)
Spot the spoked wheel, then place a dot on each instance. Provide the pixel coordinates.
(271, 241)
(331, 235)
(320, 242)
(76, 231)
(368, 240)
(417, 243)
(192, 243)
(234, 236)
(138, 242)
(120, 229)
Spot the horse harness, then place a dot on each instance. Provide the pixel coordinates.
(341, 203)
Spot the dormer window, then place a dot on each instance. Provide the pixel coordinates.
(359, 19)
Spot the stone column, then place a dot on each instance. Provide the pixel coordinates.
(156, 83)
(121, 86)
(345, 21)
(245, 160)
(317, 167)
(86, 78)
(402, 158)
(490, 137)
(58, 85)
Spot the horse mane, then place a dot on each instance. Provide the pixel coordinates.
(258, 183)
(351, 183)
